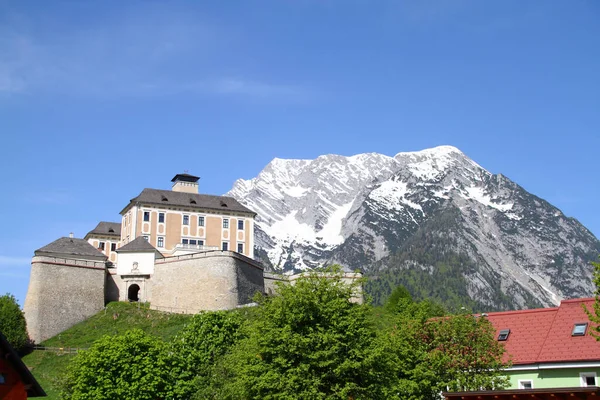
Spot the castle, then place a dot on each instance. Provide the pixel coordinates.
(176, 249)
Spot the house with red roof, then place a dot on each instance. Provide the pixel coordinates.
(16, 381)
(549, 347)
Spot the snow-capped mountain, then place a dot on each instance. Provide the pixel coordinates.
(433, 220)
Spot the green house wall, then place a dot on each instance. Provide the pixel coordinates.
(551, 378)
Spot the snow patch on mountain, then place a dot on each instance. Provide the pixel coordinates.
(478, 194)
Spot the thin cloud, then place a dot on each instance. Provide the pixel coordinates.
(53, 198)
(10, 261)
(152, 53)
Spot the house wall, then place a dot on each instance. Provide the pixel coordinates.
(61, 293)
(551, 378)
(13, 388)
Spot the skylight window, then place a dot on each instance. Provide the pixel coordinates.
(579, 329)
(503, 335)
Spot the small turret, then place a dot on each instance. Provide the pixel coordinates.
(185, 183)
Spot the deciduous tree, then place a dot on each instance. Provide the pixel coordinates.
(12, 322)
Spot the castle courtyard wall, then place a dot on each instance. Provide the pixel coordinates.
(214, 280)
(61, 293)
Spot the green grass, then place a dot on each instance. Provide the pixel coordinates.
(49, 367)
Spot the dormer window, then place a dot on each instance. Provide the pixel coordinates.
(579, 329)
(223, 204)
(503, 335)
(111, 230)
(192, 201)
(163, 198)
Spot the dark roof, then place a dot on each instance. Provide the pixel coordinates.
(8, 353)
(106, 229)
(72, 247)
(138, 245)
(192, 200)
(544, 335)
(185, 178)
(589, 393)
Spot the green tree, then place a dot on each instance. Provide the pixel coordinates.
(594, 315)
(12, 322)
(452, 353)
(310, 342)
(194, 352)
(127, 366)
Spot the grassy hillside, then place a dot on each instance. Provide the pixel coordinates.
(48, 367)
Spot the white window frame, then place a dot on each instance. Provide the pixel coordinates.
(238, 247)
(240, 222)
(223, 243)
(584, 375)
(203, 219)
(522, 383)
(160, 239)
(183, 220)
(225, 222)
(164, 215)
(144, 216)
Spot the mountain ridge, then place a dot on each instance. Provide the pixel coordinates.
(362, 211)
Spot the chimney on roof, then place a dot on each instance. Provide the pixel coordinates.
(185, 183)
(71, 235)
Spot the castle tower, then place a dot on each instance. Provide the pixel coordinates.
(66, 286)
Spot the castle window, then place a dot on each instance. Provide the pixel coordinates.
(160, 241)
(161, 217)
(185, 241)
(146, 216)
(200, 242)
(241, 224)
(200, 221)
(225, 223)
(113, 246)
(186, 219)
(240, 248)
(225, 246)
(101, 245)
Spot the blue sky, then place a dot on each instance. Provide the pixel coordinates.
(99, 99)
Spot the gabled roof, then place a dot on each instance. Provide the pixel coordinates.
(8, 353)
(544, 335)
(190, 200)
(67, 246)
(106, 229)
(139, 245)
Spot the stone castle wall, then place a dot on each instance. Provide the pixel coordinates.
(62, 292)
(217, 280)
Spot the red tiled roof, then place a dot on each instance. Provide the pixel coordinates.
(543, 335)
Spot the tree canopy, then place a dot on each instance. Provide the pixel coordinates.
(310, 341)
(12, 322)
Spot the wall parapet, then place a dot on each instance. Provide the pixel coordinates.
(209, 254)
(71, 262)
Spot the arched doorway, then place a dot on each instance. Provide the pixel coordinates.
(133, 294)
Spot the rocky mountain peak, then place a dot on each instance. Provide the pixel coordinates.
(416, 214)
